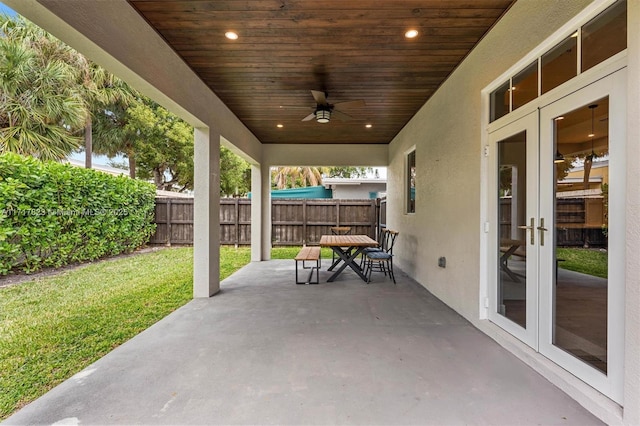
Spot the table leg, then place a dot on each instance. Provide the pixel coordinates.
(348, 257)
(503, 263)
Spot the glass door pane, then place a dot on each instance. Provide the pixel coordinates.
(513, 255)
(512, 213)
(581, 190)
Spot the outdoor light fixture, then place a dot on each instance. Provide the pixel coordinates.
(411, 34)
(323, 115)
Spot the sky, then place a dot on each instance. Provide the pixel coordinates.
(6, 11)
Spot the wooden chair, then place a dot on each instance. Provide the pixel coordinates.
(382, 238)
(383, 259)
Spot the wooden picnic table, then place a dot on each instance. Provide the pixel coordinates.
(347, 247)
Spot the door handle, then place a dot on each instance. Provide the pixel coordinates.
(541, 228)
(530, 228)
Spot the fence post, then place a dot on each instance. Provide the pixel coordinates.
(237, 222)
(304, 222)
(169, 234)
(375, 204)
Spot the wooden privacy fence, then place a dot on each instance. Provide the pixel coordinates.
(293, 221)
(579, 221)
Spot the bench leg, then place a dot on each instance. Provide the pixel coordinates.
(312, 268)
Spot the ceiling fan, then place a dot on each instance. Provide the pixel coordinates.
(324, 110)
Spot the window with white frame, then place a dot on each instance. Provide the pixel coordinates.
(411, 182)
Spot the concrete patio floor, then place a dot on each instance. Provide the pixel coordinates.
(267, 351)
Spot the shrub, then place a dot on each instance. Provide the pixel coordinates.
(53, 214)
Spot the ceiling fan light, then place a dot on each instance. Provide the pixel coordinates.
(323, 116)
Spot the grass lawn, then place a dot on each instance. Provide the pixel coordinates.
(53, 327)
(587, 261)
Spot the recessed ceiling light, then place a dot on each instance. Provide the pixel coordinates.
(231, 35)
(368, 126)
(279, 126)
(411, 34)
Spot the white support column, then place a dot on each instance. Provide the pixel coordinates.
(206, 213)
(256, 213)
(266, 212)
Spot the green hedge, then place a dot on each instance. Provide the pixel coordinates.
(52, 214)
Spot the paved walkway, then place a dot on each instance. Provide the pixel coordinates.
(265, 351)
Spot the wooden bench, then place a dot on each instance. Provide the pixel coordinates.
(308, 254)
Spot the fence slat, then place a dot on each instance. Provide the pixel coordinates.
(294, 221)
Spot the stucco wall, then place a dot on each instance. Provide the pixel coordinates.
(447, 135)
(353, 192)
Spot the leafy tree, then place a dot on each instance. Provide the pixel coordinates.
(235, 174)
(41, 106)
(349, 172)
(163, 145)
(102, 91)
(112, 135)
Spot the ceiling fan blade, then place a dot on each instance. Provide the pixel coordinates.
(295, 107)
(341, 115)
(350, 104)
(309, 117)
(320, 97)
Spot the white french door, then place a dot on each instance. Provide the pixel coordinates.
(557, 231)
(514, 301)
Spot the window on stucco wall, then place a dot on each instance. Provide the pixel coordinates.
(411, 182)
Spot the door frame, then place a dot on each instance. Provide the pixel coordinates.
(528, 123)
(613, 86)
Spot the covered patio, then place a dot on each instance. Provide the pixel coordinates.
(267, 351)
(264, 350)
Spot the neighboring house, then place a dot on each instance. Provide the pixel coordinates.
(515, 96)
(355, 189)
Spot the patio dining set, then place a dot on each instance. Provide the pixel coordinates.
(361, 253)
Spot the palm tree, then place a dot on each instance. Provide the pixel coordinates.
(41, 108)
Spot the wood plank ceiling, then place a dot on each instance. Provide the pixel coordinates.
(350, 49)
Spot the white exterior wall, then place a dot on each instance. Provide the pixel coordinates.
(356, 192)
(447, 134)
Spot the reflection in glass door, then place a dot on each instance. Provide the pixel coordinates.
(581, 245)
(558, 221)
(514, 255)
(512, 207)
(581, 231)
